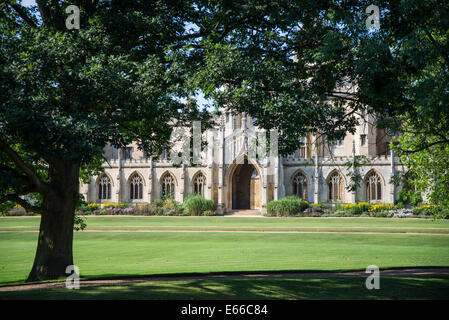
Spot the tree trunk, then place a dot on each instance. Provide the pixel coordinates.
(54, 248)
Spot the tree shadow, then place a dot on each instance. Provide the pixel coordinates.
(338, 288)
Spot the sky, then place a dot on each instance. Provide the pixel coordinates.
(201, 100)
(28, 3)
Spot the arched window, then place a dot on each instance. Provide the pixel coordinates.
(104, 187)
(135, 187)
(167, 186)
(335, 186)
(198, 184)
(373, 184)
(299, 184)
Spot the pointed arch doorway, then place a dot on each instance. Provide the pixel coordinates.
(245, 187)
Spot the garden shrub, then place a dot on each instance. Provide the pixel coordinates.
(287, 206)
(158, 203)
(340, 213)
(88, 208)
(403, 198)
(380, 210)
(197, 205)
(380, 214)
(209, 213)
(171, 208)
(5, 207)
(364, 206)
(415, 198)
(427, 210)
(352, 209)
(356, 209)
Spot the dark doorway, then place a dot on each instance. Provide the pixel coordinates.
(245, 183)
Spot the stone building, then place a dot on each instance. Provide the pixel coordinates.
(317, 171)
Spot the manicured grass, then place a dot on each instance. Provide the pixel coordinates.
(109, 254)
(228, 223)
(427, 287)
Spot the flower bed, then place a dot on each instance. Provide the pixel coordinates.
(193, 205)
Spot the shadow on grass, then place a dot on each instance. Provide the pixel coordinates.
(169, 276)
(423, 287)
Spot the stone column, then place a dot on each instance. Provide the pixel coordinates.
(316, 194)
(275, 177)
(120, 178)
(393, 172)
(221, 173)
(355, 171)
(264, 184)
(281, 185)
(150, 182)
(210, 161)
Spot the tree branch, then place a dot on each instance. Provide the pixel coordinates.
(22, 13)
(52, 18)
(18, 161)
(426, 146)
(437, 45)
(14, 197)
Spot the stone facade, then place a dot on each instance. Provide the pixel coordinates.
(317, 172)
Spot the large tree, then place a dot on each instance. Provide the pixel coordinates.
(66, 93)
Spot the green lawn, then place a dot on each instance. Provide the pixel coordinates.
(428, 287)
(108, 254)
(240, 223)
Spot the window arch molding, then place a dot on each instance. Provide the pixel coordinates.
(335, 184)
(136, 184)
(374, 185)
(299, 183)
(199, 180)
(103, 186)
(168, 185)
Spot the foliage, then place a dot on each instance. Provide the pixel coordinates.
(355, 178)
(402, 198)
(209, 213)
(428, 173)
(196, 205)
(287, 206)
(356, 208)
(426, 210)
(380, 210)
(5, 207)
(79, 223)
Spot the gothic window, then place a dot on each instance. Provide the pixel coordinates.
(126, 152)
(335, 187)
(104, 187)
(299, 182)
(164, 155)
(339, 142)
(198, 184)
(167, 186)
(363, 139)
(114, 153)
(373, 185)
(135, 187)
